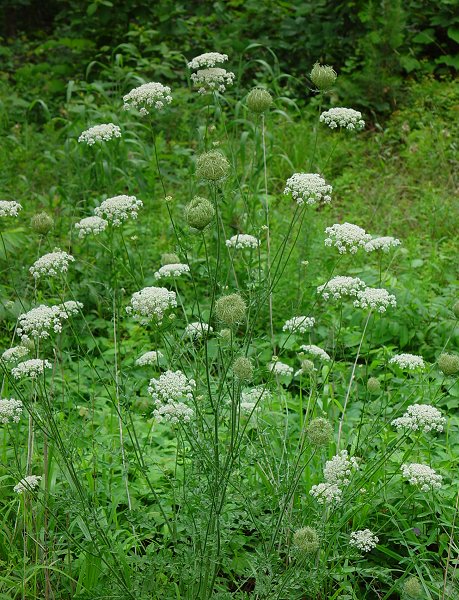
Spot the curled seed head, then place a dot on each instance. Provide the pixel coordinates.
(243, 368)
(259, 100)
(373, 385)
(306, 540)
(199, 213)
(231, 309)
(42, 223)
(412, 588)
(212, 165)
(323, 77)
(319, 432)
(448, 364)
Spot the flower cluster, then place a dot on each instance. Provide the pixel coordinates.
(306, 539)
(422, 476)
(40, 321)
(207, 60)
(242, 240)
(14, 354)
(168, 391)
(327, 493)
(9, 208)
(315, 351)
(91, 225)
(421, 417)
(151, 303)
(51, 264)
(346, 237)
(119, 209)
(174, 412)
(375, 299)
(100, 133)
(172, 270)
(409, 362)
(384, 244)
(148, 96)
(339, 469)
(308, 188)
(197, 329)
(28, 484)
(149, 358)
(343, 117)
(364, 540)
(212, 79)
(340, 287)
(10, 410)
(255, 395)
(33, 368)
(279, 368)
(298, 324)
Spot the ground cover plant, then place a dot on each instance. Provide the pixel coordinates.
(229, 360)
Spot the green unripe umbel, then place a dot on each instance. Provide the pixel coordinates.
(231, 309)
(259, 100)
(42, 223)
(212, 165)
(199, 213)
(319, 432)
(448, 364)
(323, 77)
(373, 385)
(307, 366)
(169, 258)
(455, 309)
(243, 368)
(306, 540)
(412, 588)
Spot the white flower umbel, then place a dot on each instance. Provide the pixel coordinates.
(197, 329)
(375, 299)
(10, 410)
(52, 264)
(28, 484)
(68, 309)
(421, 417)
(91, 226)
(340, 468)
(9, 208)
(327, 493)
(298, 324)
(279, 368)
(315, 351)
(148, 96)
(149, 358)
(254, 395)
(346, 118)
(346, 237)
(172, 270)
(364, 540)
(171, 386)
(119, 209)
(174, 412)
(33, 368)
(14, 354)
(100, 133)
(242, 240)
(408, 362)
(309, 188)
(212, 79)
(151, 303)
(40, 321)
(384, 244)
(421, 476)
(207, 60)
(341, 287)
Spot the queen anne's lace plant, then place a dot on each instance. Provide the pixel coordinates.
(100, 133)
(119, 209)
(364, 540)
(174, 412)
(91, 225)
(28, 484)
(212, 79)
(14, 354)
(382, 243)
(207, 60)
(9, 208)
(299, 324)
(421, 417)
(171, 386)
(346, 237)
(327, 493)
(340, 468)
(408, 362)
(279, 368)
(242, 240)
(315, 351)
(343, 117)
(254, 395)
(148, 96)
(377, 299)
(149, 358)
(40, 321)
(341, 287)
(151, 303)
(52, 264)
(172, 270)
(33, 368)
(421, 476)
(308, 188)
(197, 329)
(10, 410)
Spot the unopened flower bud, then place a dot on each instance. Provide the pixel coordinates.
(307, 366)
(448, 364)
(42, 223)
(259, 100)
(306, 540)
(169, 258)
(373, 385)
(243, 368)
(212, 165)
(231, 309)
(412, 588)
(199, 213)
(323, 77)
(319, 432)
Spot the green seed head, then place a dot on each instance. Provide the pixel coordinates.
(243, 368)
(307, 366)
(259, 100)
(448, 364)
(231, 309)
(42, 223)
(212, 165)
(319, 432)
(323, 77)
(169, 258)
(373, 385)
(199, 213)
(412, 588)
(306, 540)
